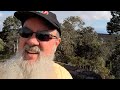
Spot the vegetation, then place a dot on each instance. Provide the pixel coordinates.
(10, 35)
(113, 28)
(114, 25)
(81, 47)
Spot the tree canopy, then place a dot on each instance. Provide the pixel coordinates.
(9, 34)
(114, 25)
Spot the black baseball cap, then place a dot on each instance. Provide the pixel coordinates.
(46, 15)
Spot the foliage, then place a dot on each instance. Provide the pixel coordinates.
(88, 45)
(115, 60)
(81, 47)
(69, 36)
(10, 34)
(1, 45)
(114, 25)
(73, 23)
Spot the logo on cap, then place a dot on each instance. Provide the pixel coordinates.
(43, 12)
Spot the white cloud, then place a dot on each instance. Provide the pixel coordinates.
(85, 15)
(95, 15)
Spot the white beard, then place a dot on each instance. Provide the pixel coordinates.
(18, 68)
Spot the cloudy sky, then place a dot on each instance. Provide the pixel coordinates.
(97, 19)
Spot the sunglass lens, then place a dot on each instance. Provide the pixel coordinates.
(25, 32)
(43, 37)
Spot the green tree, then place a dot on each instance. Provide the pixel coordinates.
(81, 47)
(68, 44)
(88, 45)
(114, 58)
(73, 23)
(114, 25)
(91, 52)
(10, 34)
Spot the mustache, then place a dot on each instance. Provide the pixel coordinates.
(33, 48)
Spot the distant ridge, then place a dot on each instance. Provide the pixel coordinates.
(106, 37)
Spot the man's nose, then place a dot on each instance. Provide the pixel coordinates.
(33, 40)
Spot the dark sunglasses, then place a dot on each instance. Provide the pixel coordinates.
(40, 35)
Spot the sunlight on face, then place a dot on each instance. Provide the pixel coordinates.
(37, 25)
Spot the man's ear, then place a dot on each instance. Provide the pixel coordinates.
(58, 41)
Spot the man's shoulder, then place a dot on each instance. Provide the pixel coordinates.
(64, 72)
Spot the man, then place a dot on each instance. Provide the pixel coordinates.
(39, 39)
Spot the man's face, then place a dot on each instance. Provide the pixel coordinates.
(46, 47)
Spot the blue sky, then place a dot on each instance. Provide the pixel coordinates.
(97, 19)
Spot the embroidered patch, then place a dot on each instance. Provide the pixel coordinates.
(43, 12)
